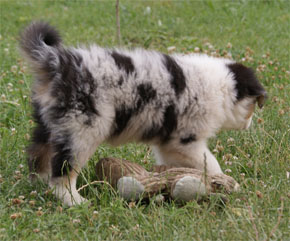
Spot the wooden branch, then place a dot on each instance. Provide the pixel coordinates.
(118, 23)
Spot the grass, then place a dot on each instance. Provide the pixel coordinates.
(251, 31)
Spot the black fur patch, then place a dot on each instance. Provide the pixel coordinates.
(123, 62)
(169, 123)
(41, 133)
(164, 131)
(123, 116)
(146, 92)
(74, 90)
(61, 162)
(177, 77)
(40, 136)
(247, 83)
(188, 139)
(121, 81)
(49, 66)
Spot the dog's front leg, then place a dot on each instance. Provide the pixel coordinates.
(64, 188)
(206, 161)
(193, 155)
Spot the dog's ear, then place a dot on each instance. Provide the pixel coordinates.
(247, 84)
(261, 99)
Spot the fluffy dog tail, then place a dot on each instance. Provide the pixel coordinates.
(39, 43)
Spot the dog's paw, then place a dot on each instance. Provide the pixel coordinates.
(75, 199)
(69, 197)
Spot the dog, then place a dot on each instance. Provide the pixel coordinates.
(86, 96)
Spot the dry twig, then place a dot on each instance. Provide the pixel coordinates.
(118, 23)
(95, 182)
(253, 223)
(279, 220)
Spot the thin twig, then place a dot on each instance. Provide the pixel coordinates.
(118, 23)
(279, 148)
(279, 220)
(94, 182)
(253, 223)
(10, 102)
(147, 155)
(240, 150)
(205, 172)
(270, 136)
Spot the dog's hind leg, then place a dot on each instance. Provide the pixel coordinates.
(39, 160)
(40, 152)
(71, 153)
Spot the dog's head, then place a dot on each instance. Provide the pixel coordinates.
(248, 92)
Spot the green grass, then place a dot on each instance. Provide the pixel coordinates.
(257, 31)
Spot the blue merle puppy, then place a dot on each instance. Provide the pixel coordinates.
(83, 97)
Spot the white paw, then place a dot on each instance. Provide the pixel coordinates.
(72, 200)
(129, 188)
(188, 188)
(69, 198)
